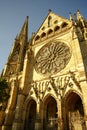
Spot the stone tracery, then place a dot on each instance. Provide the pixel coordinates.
(52, 58)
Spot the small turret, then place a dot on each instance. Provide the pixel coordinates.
(71, 18)
(82, 23)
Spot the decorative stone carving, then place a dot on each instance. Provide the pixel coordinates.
(59, 84)
(15, 53)
(11, 69)
(52, 58)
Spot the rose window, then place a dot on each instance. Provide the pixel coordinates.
(52, 58)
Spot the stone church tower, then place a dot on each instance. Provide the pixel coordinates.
(47, 77)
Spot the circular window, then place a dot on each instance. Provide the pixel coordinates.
(52, 58)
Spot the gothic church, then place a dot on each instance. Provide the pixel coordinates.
(47, 77)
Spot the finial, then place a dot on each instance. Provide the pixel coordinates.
(50, 10)
(78, 11)
(27, 17)
(75, 17)
(17, 37)
(79, 16)
(71, 18)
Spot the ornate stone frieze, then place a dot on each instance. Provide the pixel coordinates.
(58, 84)
(52, 58)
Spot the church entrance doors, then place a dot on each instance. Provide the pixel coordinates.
(50, 114)
(75, 112)
(30, 115)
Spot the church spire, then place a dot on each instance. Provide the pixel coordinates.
(24, 30)
(23, 38)
(16, 57)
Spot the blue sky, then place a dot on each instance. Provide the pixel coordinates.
(14, 12)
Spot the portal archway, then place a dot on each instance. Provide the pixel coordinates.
(50, 121)
(30, 115)
(74, 112)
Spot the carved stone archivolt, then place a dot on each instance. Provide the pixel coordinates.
(52, 58)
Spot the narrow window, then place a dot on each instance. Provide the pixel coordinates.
(49, 21)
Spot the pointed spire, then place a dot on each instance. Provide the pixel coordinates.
(75, 17)
(71, 18)
(79, 16)
(49, 11)
(24, 30)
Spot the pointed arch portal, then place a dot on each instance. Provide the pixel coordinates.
(50, 114)
(74, 112)
(30, 115)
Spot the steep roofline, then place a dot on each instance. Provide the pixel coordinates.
(50, 12)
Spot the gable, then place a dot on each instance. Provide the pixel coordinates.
(52, 23)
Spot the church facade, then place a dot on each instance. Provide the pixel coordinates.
(47, 77)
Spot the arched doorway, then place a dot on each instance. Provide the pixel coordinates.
(30, 115)
(74, 112)
(50, 114)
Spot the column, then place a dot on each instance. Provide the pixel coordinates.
(38, 117)
(18, 119)
(60, 119)
(84, 101)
